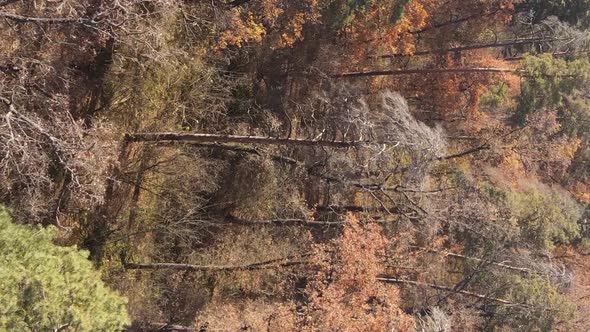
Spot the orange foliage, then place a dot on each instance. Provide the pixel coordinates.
(582, 191)
(279, 22)
(248, 315)
(242, 30)
(345, 295)
(453, 96)
(374, 25)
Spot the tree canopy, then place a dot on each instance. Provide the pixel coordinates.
(46, 287)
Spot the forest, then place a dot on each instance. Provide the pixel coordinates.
(282, 165)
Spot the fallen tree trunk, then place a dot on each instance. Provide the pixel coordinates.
(235, 148)
(282, 222)
(475, 259)
(291, 222)
(387, 279)
(270, 264)
(166, 137)
(48, 20)
(472, 47)
(399, 72)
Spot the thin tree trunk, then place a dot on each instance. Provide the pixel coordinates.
(472, 47)
(166, 137)
(290, 221)
(399, 72)
(461, 154)
(237, 149)
(341, 209)
(137, 186)
(501, 265)
(393, 280)
(457, 21)
(283, 222)
(264, 265)
(237, 3)
(49, 20)
(518, 58)
(158, 327)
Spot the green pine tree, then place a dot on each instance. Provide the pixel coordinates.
(45, 287)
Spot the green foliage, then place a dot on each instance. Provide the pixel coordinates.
(542, 305)
(544, 217)
(398, 10)
(44, 286)
(584, 246)
(576, 123)
(549, 82)
(496, 95)
(342, 13)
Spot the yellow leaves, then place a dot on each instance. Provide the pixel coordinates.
(248, 30)
(293, 31)
(375, 25)
(569, 148)
(281, 22)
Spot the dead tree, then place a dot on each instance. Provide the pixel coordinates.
(167, 137)
(394, 280)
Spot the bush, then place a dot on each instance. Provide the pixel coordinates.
(545, 216)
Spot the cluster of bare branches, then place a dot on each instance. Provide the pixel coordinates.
(55, 157)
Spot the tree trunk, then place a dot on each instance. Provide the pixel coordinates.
(461, 154)
(237, 149)
(520, 57)
(49, 20)
(283, 222)
(393, 280)
(166, 137)
(472, 47)
(158, 327)
(289, 222)
(237, 3)
(475, 259)
(264, 265)
(399, 72)
(457, 21)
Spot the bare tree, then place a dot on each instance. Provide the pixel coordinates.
(53, 157)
